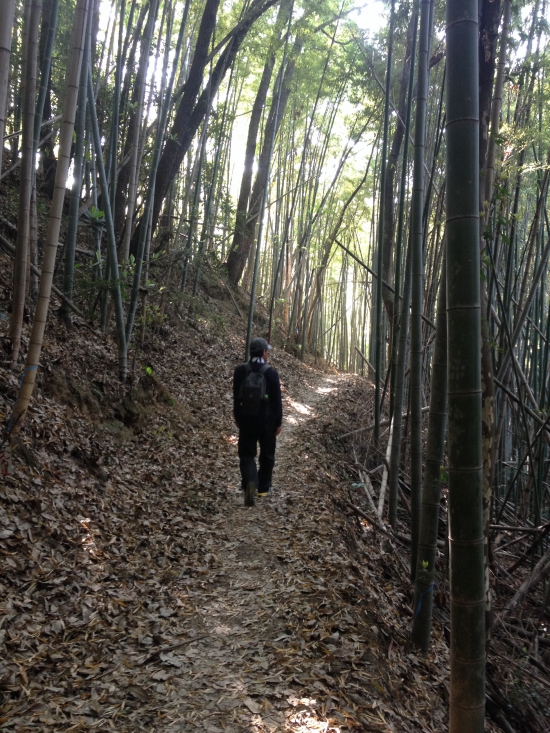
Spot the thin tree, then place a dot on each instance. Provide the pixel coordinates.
(31, 25)
(67, 128)
(112, 255)
(6, 25)
(380, 252)
(417, 270)
(135, 131)
(78, 170)
(431, 487)
(193, 107)
(271, 143)
(467, 690)
(400, 320)
(244, 238)
(253, 129)
(165, 97)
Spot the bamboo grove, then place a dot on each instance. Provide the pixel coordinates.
(375, 179)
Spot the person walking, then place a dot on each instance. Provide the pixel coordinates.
(258, 412)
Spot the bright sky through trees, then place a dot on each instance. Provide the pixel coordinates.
(370, 17)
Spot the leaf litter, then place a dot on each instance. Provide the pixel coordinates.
(139, 594)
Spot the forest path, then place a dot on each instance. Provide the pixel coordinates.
(149, 598)
(240, 678)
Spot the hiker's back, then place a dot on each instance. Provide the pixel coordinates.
(253, 395)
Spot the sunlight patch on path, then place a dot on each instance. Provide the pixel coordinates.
(299, 721)
(299, 410)
(325, 390)
(296, 411)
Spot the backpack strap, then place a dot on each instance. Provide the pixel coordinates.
(262, 370)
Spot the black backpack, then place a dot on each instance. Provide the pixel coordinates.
(253, 397)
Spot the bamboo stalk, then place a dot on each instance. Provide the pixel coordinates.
(6, 25)
(466, 537)
(65, 142)
(22, 257)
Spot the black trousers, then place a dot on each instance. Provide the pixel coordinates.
(249, 437)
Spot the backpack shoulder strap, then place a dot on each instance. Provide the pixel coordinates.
(264, 368)
(247, 367)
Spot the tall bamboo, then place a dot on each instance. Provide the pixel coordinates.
(467, 693)
(6, 25)
(401, 319)
(206, 224)
(22, 251)
(45, 70)
(115, 121)
(271, 143)
(165, 97)
(417, 269)
(110, 230)
(431, 488)
(78, 168)
(411, 41)
(67, 127)
(380, 251)
(136, 130)
(496, 108)
(253, 129)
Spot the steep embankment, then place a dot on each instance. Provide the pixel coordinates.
(138, 593)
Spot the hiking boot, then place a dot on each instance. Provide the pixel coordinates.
(250, 494)
(264, 492)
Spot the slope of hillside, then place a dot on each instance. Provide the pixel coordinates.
(138, 593)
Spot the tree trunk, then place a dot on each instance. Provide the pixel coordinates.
(250, 151)
(467, 693)
(488, 33)
(177, 144)
(78, 169)
(417, 268)
(22, 255)
(165, 96)
(65, 142)
(496, 108)
(135, 129)
(238, 256)
(431, 488)
(391, 167)
(379, 323)
(191, 111)
(129, 123)
(6, 25)
(252, 138)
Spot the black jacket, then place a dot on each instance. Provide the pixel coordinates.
(273, 386)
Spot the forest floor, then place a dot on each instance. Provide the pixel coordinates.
(137, 593)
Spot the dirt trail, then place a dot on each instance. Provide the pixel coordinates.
(236, 679)
(141, 595)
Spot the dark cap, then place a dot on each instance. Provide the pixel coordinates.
(258, 345)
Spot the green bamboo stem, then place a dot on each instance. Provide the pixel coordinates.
(212, 188)
(380, 251)
(417, 265)
(271, 144)
(110, 230)
(400, 321)
(466, 540)
(195, 205)
(431, 488)
(145, 46)
(78, 168)
(6, 24)
(54, 223)
(22, 258)
(166, 96)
